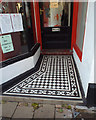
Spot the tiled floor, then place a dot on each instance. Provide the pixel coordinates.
(56, 78)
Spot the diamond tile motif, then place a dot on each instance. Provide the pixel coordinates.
(56, 78)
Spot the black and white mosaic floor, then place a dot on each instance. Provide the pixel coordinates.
(56, 78)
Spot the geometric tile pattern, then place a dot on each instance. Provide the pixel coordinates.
(56, 78)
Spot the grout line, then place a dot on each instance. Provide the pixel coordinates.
(33, 114)
(14, 111)
(54, 111)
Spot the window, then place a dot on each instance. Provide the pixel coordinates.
(20, 42)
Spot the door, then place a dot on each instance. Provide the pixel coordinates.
(56, 24)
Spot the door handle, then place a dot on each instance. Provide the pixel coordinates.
(41, 11)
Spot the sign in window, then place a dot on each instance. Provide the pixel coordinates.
(6, 43)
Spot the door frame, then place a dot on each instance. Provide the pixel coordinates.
(65, 32)
(36, 22)
(37, 31)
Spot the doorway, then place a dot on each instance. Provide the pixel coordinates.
(56, 24)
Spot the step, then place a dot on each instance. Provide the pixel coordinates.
(40, 100)
(57, 52)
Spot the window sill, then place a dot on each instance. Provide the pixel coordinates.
(20, 57)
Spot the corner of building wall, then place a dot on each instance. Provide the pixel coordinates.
(78, 62)
(36, 56)
(0, 76)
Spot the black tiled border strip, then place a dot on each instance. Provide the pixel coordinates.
(79, 81)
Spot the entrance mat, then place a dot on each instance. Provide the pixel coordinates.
(56, 78)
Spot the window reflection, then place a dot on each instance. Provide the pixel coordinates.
(56, 16)
(19, 39)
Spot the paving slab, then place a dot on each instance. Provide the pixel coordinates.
(58, 106)
(91, 116)
(81, 107)
(8, 109)
(47, 111)
(23, 112)
(63, 113)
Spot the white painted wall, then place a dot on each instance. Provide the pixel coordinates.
(86, 67)
(15, 69)
(95, 42)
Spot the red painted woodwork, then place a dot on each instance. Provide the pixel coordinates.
(1, 54)
(74, 27)
(74, 31)
(37, 20)
(78, 51)
(74, 23)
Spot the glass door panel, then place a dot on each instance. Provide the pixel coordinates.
(59, 16)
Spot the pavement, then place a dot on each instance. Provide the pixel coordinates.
(29, 110)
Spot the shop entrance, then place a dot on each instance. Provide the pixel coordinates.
(56, 24)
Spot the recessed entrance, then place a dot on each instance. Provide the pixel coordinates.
(56, 24)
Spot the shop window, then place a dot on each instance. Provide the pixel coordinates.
(17, 41)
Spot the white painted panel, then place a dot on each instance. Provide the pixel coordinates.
(35, 58)
(86, 67)
(18, 68)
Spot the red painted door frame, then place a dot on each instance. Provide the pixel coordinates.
(36, 22)
(74, 24)
(37, 29)
(74, 31)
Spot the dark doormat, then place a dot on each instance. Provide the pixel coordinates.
(56, 78)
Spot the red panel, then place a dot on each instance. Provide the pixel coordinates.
(78, 51)
(1, 54)
(74, 23)
(38, 27)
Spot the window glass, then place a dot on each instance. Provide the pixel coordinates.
(56, 14)
(18, 39)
